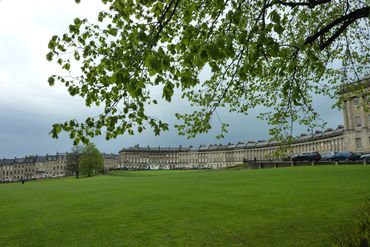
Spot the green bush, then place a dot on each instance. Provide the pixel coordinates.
(357, 232)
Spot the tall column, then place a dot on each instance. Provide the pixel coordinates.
(364, 119)
(345, 116)
(349, 115)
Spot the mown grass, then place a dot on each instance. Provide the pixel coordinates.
(294, 206)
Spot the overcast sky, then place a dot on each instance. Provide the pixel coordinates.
(28, 106)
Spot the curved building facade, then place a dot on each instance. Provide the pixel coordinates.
(218, 155)
(353, 136)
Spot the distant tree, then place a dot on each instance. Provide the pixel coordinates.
(91, 161)
(73, 160)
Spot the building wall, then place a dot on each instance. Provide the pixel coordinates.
(356, 117)
(48, 166)
(224, 156)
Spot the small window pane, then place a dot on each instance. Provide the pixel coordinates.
(358, 143)
(358, 121)
(356, 101)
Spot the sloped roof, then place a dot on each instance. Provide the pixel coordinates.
(318, 134)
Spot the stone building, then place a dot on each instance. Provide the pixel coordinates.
(218, 155)
(17, 168)
(354, 136)
(111, 161)
(356, 115)
(51, 165)
(38, 167)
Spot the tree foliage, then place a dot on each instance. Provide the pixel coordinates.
(73, 161)
(273, 53)
(91, 161)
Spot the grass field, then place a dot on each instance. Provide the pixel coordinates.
(294, 206)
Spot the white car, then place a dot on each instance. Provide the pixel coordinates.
(365, 157)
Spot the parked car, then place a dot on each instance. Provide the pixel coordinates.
(286, 158)
(343, 156)
(308, 156)
(365, 157)
(326, 156)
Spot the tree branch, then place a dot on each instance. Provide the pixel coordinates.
(347, 19)
(310, 3)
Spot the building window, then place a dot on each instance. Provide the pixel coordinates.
(358, 121)
(356, 101)
(358, 143)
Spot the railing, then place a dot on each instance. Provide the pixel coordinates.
(261, 164)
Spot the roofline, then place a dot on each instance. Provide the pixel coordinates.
(335, 132)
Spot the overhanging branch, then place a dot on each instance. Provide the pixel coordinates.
(310, 3)
(344, 21)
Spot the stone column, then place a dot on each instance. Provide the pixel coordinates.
(349, 115)
(364, 120)
(345, 115)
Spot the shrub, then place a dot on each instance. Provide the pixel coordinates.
(357, 232)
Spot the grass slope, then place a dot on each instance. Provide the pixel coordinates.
(295, 206)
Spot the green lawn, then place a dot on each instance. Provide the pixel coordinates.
(294, 206)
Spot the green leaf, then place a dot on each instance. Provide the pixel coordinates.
(278, 28)
(51, 80)
(67, 66)
(168, 91)
(49, 56)
(275, 17)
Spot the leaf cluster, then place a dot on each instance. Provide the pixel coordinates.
(270, 53)
(91, 161)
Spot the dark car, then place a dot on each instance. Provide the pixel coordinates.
(308, 156)
(327, 156)
(343, 156)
